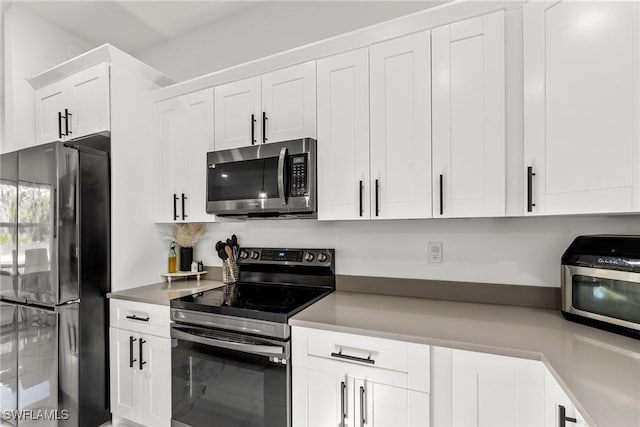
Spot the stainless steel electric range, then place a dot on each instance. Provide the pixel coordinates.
(231, 351)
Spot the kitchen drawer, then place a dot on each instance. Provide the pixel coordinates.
(359, 351)
(140, 317)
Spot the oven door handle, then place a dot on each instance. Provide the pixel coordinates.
(281, 171)
(263, 350)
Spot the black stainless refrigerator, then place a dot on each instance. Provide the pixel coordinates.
(54, 276)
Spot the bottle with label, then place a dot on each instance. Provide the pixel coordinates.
(194, 266)
(172, 258)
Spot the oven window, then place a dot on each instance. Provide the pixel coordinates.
(613, 298)
(217, 387)
(243, 180)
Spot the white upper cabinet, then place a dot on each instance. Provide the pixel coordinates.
(90, 101)
(277, 106)
(74, 107)
(343, 132)
(468, 63)
(581, 84)
(183, 134)
(289, 103)
(400, 75)
(238, 112)
(50, 105)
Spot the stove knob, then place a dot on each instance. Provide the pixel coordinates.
(255, 255)
(244, 254)
(322, 257)
(308, 256)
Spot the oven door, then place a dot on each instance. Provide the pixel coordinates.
(610, 296)
(227, 379)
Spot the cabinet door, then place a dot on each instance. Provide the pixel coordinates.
(289, 102)
(469, 118)
(320, 399)
(156, 384)
(125, 380)
(238, 114)
(555, 397)
(381, 405)
(470, 388)
(197, 140)
(343, 129)
(89, 101)
(168, 134)
(50, 104)
(401, 128)
(581, 80)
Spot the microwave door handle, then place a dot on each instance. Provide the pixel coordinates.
(281, 171)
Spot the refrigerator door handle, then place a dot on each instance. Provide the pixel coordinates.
(55, 213)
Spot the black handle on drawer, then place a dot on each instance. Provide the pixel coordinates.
(140, 353)
(562, 417)
(184, 215)
(142, 319)
(360, 188)
(441, 194)
(368, 360)
(131, 359)
(530, 175)
(253, 129)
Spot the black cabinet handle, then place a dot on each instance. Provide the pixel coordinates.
(562, 417)
(175, 206)
(441, 194)
(141, 319)
(360, 188)
(68, 130)
(184, 215)
(60, 135)
(264, 127)
(140, 353)
(339, 355)
(253, 129)
(363, 407)
(530, 175)
(131, 359)
(343, 405)
(377, 191)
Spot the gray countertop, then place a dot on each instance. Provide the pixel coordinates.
(598, 370)
(162, 293)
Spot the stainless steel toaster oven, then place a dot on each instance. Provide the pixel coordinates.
(601, 282)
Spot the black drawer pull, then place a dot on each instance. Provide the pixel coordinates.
(142, 319)
(368, 360)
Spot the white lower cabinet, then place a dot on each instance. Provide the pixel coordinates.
(479, 389)
(350, 380)
(557, 405)
(140, 363)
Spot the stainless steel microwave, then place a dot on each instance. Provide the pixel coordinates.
(601, 282)
(277, 179)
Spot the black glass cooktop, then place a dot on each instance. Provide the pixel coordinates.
(256, 301)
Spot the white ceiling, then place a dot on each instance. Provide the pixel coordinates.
(134, 25)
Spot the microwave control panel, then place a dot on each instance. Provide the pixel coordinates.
(298, 181)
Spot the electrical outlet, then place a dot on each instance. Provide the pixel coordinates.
(435, 252)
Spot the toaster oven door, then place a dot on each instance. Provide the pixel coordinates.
(610, 296)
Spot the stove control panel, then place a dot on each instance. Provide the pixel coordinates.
(304, 257)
